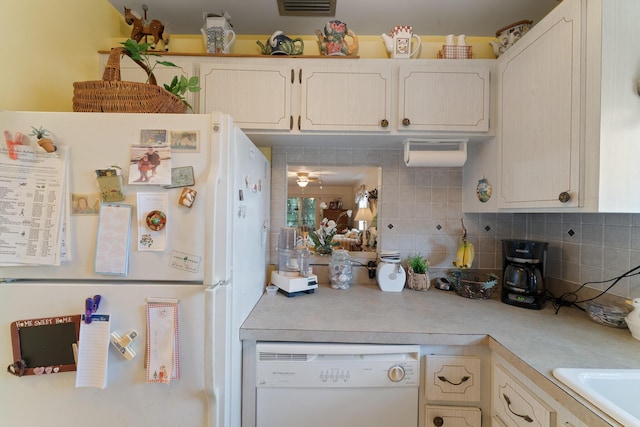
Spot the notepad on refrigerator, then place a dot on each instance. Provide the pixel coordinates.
(93, 351)
(163, 341)
(114, 234)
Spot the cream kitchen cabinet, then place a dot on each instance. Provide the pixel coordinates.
(130, 71)
(452, 390)
(568, 111)
(450, 97)
(453, 378)
(295, 94)
(539, 93)
(515, 405)
(347, 95)
(517, 401)
(255, 92)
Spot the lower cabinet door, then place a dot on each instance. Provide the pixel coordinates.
(516, 405)
(452, 416)
(497, 422)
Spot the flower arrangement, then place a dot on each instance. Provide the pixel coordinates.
(323, 237)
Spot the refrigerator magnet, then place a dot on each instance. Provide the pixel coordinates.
(187, 197)
(181, 177)
(152, 221)
(156, 220)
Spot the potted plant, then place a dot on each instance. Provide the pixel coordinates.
(179, 85)
(417, 273)
(42, 135)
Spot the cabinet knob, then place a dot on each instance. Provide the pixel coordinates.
(384, 123)
(564, 197)
(438, 422)
(406, 122)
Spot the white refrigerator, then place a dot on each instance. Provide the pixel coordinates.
(210, 256)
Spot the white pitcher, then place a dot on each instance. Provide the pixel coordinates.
(398, 44)
(217, 32)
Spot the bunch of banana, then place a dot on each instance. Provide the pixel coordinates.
(464, 257)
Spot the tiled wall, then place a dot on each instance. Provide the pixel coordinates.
(420, 211)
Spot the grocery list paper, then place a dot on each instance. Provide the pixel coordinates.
(93, 351)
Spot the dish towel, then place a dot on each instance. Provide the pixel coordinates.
(163, 341)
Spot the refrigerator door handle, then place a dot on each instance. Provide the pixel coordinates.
(216, 355)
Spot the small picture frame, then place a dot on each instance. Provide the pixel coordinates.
(333, 205)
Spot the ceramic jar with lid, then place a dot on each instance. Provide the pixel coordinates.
(340, 270)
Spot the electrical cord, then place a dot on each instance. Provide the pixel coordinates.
(569, 299)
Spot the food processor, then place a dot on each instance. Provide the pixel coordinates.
(293, 276)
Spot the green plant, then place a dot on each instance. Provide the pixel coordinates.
(418, 264)
(179, 85)
(39, 133)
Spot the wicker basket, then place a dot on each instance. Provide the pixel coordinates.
(417, 282)
(110, 95)
(455, 52)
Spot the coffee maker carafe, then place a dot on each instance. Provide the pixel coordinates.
(524, 263)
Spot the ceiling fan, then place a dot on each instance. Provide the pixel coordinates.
(303, 179)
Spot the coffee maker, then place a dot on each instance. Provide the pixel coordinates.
(523, 266)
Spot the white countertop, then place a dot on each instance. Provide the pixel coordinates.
(535, 341)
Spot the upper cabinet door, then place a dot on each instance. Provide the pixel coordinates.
(348, 98)
(257, 95)
(539, 114)
(444, 98)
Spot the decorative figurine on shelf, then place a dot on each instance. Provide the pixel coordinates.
(333, 41)
(279, 44)
(218, 33)
(398, 43)
(142, 29)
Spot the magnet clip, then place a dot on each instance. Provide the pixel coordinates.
(91, 306)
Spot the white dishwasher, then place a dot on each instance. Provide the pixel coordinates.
(338, 385)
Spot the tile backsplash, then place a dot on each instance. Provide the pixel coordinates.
(420, 211)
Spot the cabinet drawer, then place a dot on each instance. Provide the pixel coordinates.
(515, 405)
(452, 416)
(453, 378)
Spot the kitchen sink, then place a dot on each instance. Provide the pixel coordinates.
(614, 391)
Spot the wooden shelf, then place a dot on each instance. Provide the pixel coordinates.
(233, 55)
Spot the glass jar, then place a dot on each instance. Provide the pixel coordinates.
(340, 271)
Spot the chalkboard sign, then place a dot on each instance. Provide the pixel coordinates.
(45, 345)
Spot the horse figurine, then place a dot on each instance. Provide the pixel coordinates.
(139, 29)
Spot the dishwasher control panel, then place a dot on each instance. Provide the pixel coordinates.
(335, 365)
